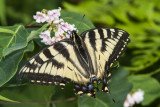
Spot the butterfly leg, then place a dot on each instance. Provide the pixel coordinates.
(105, 85)
(105, 80)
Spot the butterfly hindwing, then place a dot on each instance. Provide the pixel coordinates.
(105, 46)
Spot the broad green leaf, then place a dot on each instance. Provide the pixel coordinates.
(6, 99)
(119, 88)
(31, 95)
(9, 64)
(12, 38)
(149, 85)
(74, 18)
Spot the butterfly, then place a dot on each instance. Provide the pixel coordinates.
(82, 59)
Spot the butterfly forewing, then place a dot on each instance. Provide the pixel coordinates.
(56, 64)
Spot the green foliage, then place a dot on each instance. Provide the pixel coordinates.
(22, 11)
(139, 66)
(9, 64)
(6, 99)
(150, 86)
(12, 38)
(15, 42)
(141, 21)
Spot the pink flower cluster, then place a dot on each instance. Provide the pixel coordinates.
(62, 29)
(135, 98)
(50, 16)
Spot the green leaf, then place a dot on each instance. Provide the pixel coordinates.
(149, 85)
(87, 101)
(6, 99)
(9, 64)
(35, 33)
(31, 95)
(2, 12)
(75, 18)
(12, 38)
(119, 88)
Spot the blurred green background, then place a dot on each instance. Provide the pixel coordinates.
(139, 66)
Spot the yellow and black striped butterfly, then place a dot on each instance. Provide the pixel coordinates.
(83, 59)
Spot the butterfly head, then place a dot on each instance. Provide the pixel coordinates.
(76, 39)
(74, 35)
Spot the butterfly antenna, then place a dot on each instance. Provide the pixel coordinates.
(81, 21)
(111, 97)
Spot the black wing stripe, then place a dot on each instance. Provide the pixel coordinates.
(100, 31)
(57, 64)
(115, 34)
(108, 33)
(92, 41)
(47, 53)
(39, 60)
(62, 50)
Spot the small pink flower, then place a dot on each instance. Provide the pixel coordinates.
(67, 27)
(58, 38)
(138, 96)
(45, 37)
(53, 15)
(135, 98)
(130, 100)
(59, 32)
(62, 29)
(57, 21)
(126, 103)
(40, 17)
